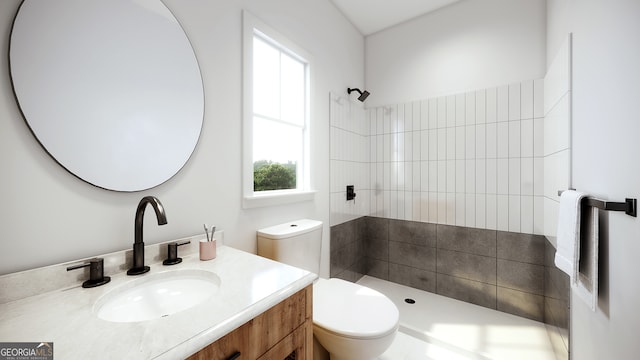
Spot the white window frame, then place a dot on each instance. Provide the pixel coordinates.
(303, 192)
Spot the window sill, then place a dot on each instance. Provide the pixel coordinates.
(277, 198)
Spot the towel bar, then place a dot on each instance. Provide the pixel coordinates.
(629, 206)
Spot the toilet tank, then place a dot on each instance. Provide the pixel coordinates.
(296, 243)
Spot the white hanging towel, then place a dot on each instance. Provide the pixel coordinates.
(585, 283)
(568, 235)
(577, 246)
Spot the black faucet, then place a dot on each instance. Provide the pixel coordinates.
(138, 245)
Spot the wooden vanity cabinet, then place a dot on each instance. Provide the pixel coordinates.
(284, 332)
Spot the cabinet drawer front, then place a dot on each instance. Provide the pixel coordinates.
(225, 347)
(268, 331)
(291, 347)
(273, 325)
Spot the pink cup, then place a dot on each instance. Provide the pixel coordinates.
(207, 250)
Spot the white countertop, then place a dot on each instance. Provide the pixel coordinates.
(249, 285)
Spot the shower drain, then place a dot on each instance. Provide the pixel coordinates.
(409, 301)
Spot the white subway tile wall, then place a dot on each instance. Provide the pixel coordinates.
(353, 150)
(474, 159)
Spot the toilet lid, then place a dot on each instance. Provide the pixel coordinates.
(352, 310)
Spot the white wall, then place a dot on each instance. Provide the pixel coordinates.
(49, 216)
(605, 130)
(470, 45)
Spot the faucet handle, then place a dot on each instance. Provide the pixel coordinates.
(96, 273)
(172, 253)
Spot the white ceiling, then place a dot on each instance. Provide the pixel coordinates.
(370, 16)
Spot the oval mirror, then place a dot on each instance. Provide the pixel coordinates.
(110, 88)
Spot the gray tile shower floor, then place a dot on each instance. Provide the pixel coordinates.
(440, 328)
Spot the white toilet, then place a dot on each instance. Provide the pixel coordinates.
(350, 321)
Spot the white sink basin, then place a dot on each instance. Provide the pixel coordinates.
(157, 295)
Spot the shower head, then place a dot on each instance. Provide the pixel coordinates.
(363, 94)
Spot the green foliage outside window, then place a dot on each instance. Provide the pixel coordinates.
(268, 175)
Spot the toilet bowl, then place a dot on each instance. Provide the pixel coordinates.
(351, 321)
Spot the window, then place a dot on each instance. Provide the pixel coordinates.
(276, 118)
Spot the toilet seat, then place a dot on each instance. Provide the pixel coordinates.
(351, 310)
